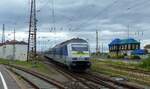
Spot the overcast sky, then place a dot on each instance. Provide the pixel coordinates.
(79, 18)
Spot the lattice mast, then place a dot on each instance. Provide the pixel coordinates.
(32, 32)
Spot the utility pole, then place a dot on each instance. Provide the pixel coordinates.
(102, 47)
(32, 32)
(14, 45)
(53, 15)
(128, 32)
(97, 42)
(3, 40)
(53, 19)
(3, 34)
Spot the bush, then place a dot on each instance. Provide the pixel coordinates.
(119, 56)
(134, 57)
(145, 63)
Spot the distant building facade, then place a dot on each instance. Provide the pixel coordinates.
(147, 47)
(14, 50)
(123, 46)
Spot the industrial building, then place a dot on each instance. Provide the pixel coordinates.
(13, 50)
(124, 46)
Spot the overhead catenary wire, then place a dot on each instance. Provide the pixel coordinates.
(105, 9)
(135, 4)
(71, 19)
(130, 6)
(138, 4)
(67, 17)
(45, 3)
(98, 14)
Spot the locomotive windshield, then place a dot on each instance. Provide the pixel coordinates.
(79, 47)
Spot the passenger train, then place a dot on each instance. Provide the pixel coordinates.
(74, 54)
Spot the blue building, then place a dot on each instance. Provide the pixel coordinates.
(123, 46)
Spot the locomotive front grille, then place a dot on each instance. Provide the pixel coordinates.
(80, 65)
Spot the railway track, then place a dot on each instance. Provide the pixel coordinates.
(49, 82)
(72, 78)
(91, 80)
(34, 86)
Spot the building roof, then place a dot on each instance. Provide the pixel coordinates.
(124, 41)
(128, 41)
(13, 42)
(115, 42)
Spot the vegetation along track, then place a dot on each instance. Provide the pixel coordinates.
(127, 85)
(85, 78)
(38, 75)
(129, 68)
(139, 72)
(131, 72)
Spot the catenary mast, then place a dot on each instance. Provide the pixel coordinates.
(32, 32)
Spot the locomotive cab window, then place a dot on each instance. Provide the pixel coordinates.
(79, 47)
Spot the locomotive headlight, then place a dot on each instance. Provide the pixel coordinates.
(89, 64)
(73, 64)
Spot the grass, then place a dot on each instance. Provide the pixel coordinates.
(119, 63)
(145, 64)
(38, 66)
(113, 73)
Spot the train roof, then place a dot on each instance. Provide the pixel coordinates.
(74, 40)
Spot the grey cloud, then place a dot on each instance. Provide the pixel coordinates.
(81, 18)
